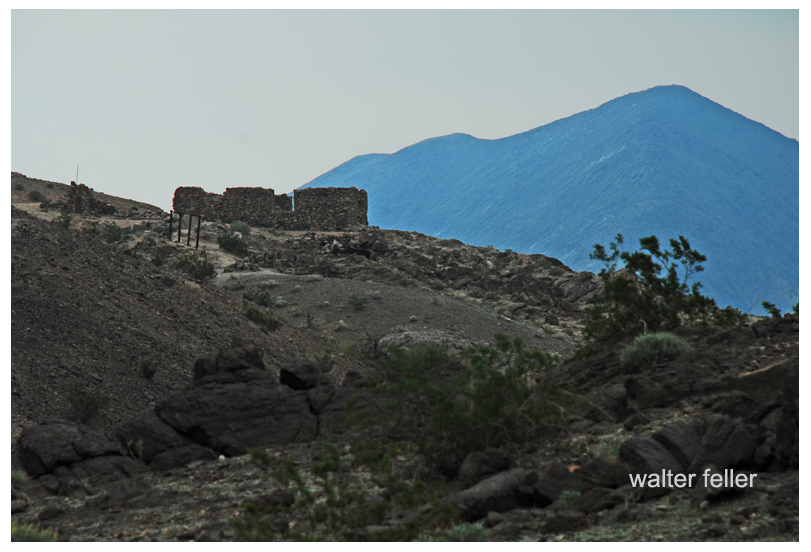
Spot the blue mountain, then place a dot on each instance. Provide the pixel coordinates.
(664, 161)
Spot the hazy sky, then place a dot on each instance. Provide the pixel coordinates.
(145, 101)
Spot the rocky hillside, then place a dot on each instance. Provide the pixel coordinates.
(283, 346)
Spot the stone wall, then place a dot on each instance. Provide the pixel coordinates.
(328, 209)
(81, 201)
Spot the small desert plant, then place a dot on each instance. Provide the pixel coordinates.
(232, 243)
(91, 229)
(64, 219)
(357, 303)
(136, 449)
(85, 405)
(261, 318)
(19, 186)
(353, 350)
(647, 350)
(36, 196)
(773, 311)
(132, 252)
(45, 204)
(50, 185)
(567, 499)
(159, 256)
(238, 341)
(19, 479)
(23, 532)
(437, 285)
(260, 296)
(111, 232)
(199, 269)
(325, 363)
(234, 286)
(796, 309)
(555, 271)
(148, 369)
(241, 227)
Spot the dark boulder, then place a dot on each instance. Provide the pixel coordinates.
(557, 479)
(44, 447)
(682, 440)
(240, 415)
(644, 455)
(480, 465)
(609, 404)
(299, 374)
(725, 444)
(605, 471)
(499, 493)
(150, 435)
(233, 360)
(177, 457)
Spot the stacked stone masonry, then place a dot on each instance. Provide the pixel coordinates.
(326, 209)
(81, 200)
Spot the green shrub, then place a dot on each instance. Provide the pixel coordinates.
(19, 186)
(263, 319)
(437, 285)
(19, 479)
(36, 196)
(357, 303)
(567, 499)
(650, 293)
(232, 243)
(91, 229)
(199, 269)
(447, 409)
(234, 286)
(132, 252)
(555, 271)
(796, 309)
(325, 363)
(22, 532)
(241, 227)
(45, 204)
(337, 510)
(111, 232)
(647, 350)
(260, 296)
(50, 185)
(773, 311)
(159, 256)
(85, 406)
(64, 219)
(148, 369)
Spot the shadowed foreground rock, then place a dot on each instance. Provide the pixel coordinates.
(235, 404)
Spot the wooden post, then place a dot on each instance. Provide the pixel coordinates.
(197, 243)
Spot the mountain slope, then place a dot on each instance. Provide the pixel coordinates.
(664, 161)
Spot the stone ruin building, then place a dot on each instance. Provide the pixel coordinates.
(325, 209)
(81, 200)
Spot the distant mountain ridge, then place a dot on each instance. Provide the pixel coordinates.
(664, 161)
